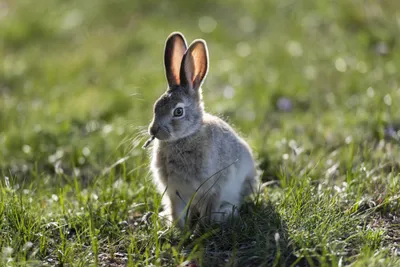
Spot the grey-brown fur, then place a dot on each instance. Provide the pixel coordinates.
(196, 155)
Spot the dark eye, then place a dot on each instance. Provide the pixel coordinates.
(178, 112)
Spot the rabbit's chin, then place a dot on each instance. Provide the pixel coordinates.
(176, 137)
(172, 138)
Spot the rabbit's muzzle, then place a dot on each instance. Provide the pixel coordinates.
(159, 132)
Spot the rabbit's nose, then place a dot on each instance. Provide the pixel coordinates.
(154, 129)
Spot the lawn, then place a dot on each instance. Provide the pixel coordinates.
(313, 86)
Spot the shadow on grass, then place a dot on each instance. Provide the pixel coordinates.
(257, 237)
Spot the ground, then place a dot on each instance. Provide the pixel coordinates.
(313, 86)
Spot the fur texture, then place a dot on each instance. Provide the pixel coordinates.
(198, 160)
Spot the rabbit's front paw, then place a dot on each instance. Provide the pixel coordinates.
(165, 217)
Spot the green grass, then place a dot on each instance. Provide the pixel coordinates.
(77, 83)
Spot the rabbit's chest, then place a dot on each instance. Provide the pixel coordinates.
(181, 164)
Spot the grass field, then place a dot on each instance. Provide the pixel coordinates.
(313, 86)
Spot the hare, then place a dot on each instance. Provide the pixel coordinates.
(199, 162)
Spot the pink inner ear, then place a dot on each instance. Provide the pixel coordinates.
(174, 51)
(176, 59)
(199, 64)
(194, 65)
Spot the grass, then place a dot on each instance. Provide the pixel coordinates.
(312, 85)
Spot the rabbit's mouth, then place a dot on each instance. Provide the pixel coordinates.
(161, 133)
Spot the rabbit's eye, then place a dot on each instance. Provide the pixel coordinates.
(178, 112)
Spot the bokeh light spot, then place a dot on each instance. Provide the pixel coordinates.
(207, 24)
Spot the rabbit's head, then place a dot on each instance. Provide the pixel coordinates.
(179, 111)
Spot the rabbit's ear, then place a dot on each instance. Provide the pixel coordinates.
(194, 65)
(175, 48)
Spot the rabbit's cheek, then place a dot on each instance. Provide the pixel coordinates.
(178, 128)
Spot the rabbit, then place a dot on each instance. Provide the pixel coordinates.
(199, 163)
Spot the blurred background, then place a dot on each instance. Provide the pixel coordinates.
(78, 78)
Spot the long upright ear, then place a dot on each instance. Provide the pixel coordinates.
(175, 48)
(194, 66)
